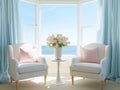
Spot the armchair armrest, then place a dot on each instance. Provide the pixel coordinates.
(13, 67)
(42, 59)
(75, 60)
(13, 63)
(104, 68)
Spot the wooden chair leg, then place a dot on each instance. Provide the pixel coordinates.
(72, 80)
(16, 84)
(11, 79)
(101, 84)
(45, 76)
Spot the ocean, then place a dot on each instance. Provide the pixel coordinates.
(69, 50)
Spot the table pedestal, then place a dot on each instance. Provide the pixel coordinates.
(58, 78)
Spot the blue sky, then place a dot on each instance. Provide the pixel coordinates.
(57, 19)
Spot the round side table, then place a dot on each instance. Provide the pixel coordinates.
(58, 80)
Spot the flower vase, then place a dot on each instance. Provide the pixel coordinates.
(58, 53)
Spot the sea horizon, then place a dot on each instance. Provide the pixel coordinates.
(68, 50)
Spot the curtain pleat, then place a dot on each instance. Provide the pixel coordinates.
(9, 26)
(110, 27)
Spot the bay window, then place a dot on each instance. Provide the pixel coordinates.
(75, 20)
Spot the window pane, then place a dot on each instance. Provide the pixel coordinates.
(89, 12)
(89, 35)
(28, 35)
(59, 19)
(27, 13)
(89, 22)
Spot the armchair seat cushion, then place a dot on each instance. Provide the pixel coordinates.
(31, 67)
(87, 67)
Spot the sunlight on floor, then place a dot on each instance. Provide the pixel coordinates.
(76, 78)
(38, 80)
(41, 79)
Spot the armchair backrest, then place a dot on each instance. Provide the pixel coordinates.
(103, 49)
(13, 50)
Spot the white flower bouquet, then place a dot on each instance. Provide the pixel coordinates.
(57, 41)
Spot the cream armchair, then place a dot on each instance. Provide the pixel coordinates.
(19, 71)
(91, 70)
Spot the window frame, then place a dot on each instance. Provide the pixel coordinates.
(37, 25)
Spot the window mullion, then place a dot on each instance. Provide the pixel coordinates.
(38, 24)
(79, 31)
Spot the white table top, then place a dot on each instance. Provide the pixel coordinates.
(61, 60)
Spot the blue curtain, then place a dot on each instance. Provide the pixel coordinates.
(110, 26)
(9, 26)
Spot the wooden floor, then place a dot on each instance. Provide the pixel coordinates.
(79, 84)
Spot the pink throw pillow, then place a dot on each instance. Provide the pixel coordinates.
(26, 57)
(89, 55)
